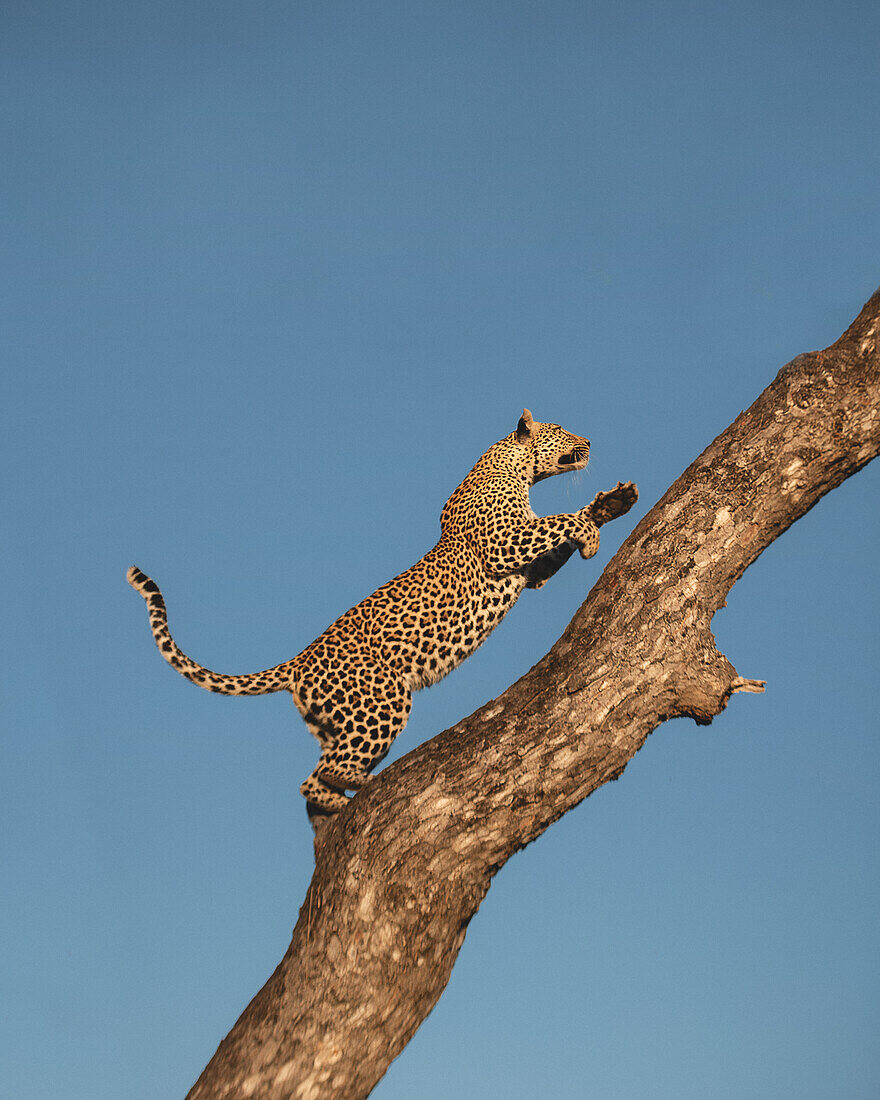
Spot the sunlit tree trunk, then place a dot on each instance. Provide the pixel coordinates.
(401, 872)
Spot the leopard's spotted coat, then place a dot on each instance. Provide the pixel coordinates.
(353, 685)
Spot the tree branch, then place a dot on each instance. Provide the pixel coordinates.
(402, 870)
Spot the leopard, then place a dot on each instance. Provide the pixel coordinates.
(353, 685)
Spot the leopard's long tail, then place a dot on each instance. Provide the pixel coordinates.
(258, 683)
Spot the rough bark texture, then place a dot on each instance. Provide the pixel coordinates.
(402, 870)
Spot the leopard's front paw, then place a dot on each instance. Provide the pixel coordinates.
(587, 538)
(616, 502)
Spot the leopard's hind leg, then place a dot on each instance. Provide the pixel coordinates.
(318, 793)
(358, 736)
(314, 789)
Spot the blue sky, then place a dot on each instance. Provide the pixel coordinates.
(275, 274)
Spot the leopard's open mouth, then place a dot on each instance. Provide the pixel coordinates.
(575, 457)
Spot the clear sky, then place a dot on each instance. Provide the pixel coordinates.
(274, 275)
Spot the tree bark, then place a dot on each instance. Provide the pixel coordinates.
(402, 870)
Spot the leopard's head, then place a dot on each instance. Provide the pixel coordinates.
(552, 450)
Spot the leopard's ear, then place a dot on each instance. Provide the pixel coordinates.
(524, 428)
